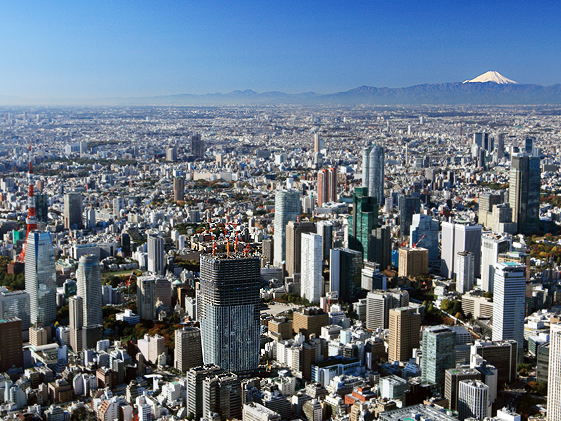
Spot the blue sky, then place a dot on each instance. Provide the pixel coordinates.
(92, 49)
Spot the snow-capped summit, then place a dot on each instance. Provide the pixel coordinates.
(491, 76)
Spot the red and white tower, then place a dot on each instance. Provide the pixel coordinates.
(31, 219)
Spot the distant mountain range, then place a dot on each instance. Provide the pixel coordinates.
(490, 88)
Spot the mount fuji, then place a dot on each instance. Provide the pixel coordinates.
(492, 76)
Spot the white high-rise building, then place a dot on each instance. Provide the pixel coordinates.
(40, 277)
(156, 260)
(15, 304)
(287, 208)
(473, 400)
(311, 278)
(491, 245)
(456, 237)
(376, 173)
(554, 374)
(88, 285)
(465, 270)
(509, 303)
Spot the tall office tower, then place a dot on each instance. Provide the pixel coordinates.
(345, 273)
(178, 189)
(524, 192)
(156, 260)
(15, 304)
(195, 377)
(163, 291)
(439, 353)
(40, 277)
(90, 218)
(294, 231)
(222, 394)
(408, 206)
(327, 186)
(11, 345)
(380, 247)
(230, 324)
(465, 262)
(197, 146)
(287, 208)
(73, 211)
(502, 219)
(481, 139)
(529, 145)
(118, 205)
(501, 354)
(456, 237)
(501, 145)
(268, 251)
(325, 229)
(509, 303)
(453, 376)
(424, 231)
(404, 324)
(363, 220)
(311, 279)
(188, 351)
(486, 203)
(88, 284)
(491, 246)
(378, 306)
(376, 160)
(554, 374)
(171, 154)
(319, 143)
(413, 262)
(76, 321)
(473, 400)
(366, 165)
(146, 297)
(42, 207)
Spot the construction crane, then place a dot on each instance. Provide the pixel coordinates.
(420, 239)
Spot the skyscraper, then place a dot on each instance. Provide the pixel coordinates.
(178, 189)
(188, 350)
(524, 192)
(76, 321)
(378, 306)
(509, 303)
(15, 304)
(376, 160)
(11, 353)
(156, 262)
(345, 273)
(380, 247)
(88, 284)
(465, 262)
(287, 208)
(197, 146)
(294, 231)
(404, 326)
(439, 353)
(473, 400)
(73, 211)
(327, 186)
(363, 220)
(554, 374)
(501, 145)
(408, 206)
(456, 237)
(491, 246)
(146, 297)
(40, 277)
(425, 231)
(222, 394)
(230, 324)
(311, 280)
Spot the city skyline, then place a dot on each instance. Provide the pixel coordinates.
(100, 50)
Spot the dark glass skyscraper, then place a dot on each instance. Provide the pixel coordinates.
(230, 327)
(408, 206)
(363, 220)
(524, 192)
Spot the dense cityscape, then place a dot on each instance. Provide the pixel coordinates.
(280, 263)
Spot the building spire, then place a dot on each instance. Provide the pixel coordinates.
(31, 219)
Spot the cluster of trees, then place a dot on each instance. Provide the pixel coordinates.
(453, 307)
(544, 250)
(552, 199)
(294, 298)
(193, 265)
(11, 281)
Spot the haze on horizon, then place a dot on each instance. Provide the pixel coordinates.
(100, 49)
